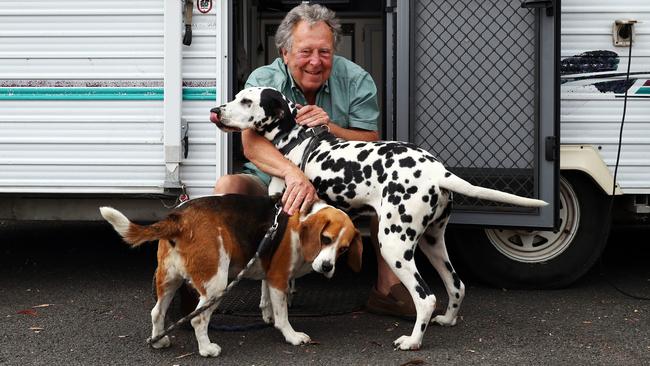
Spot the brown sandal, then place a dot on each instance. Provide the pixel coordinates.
(398, 303)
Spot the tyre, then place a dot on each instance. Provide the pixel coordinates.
(527, 259)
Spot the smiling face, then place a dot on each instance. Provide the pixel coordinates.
(311, 55)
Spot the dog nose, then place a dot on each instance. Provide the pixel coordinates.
(326, 266)
(215, 114)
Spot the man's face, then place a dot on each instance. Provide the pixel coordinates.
(311, 55)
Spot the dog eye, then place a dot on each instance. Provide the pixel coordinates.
(247, 102)
(325, 240)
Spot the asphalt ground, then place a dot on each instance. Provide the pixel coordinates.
(73, 294)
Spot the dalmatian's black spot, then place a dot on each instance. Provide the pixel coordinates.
(386, 231)
(398, 264)
(447, 174)
(402, 237)
(395, 229)
(457, 295)
(389, 163)
(425, 198)
(412, 190)
(367, 173)
(406, 218)
(407, 162)
(251, 118)
(455, 305)
(363, 155)
(389, 215)
(401, 209)
(360, 145)
(423, 327)
(417, 173)
(408, 255)
(395, 176)
(411, 233)
(453, 274)
(422, 288)
(422, 160)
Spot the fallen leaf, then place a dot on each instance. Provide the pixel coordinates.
(41, 306)
(184, 355)
(29, 312)
(416, 361)
(122, 336)
(36, 329)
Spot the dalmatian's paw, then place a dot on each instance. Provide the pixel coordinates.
(445, 321)
(407, 343)
(298, 338)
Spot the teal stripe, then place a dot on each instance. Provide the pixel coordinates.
(643, 90)
(101, 93)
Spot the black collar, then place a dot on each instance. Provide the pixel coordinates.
(319, 132)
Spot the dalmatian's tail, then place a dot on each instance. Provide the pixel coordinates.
(454, 183)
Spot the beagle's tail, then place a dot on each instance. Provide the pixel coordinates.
(456, 184)
(135, 234)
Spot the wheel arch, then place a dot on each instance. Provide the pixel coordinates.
(585, 159)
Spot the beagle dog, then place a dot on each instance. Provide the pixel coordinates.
(208, 240)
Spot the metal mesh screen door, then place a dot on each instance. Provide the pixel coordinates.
(478, 79)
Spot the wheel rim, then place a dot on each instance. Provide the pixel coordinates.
(530, 246)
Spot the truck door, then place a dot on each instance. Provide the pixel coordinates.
(477, 84)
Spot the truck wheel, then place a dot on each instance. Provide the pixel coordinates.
(528, 259)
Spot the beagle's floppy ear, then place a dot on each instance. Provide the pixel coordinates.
(310, 236)
(355, 253)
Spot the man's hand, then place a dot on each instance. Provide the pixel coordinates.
(300, 193)
(312, 116)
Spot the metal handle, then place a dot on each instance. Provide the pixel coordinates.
(540, 4)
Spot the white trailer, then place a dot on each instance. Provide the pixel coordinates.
(101, 101)
(96, 99)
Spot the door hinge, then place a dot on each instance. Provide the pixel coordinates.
(550, 148)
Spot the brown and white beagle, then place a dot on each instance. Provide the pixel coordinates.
(207, 240)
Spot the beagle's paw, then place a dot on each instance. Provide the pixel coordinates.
(407, 343)
(298, 338)
(164, 342)
(210, 350)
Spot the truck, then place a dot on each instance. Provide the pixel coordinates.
(107, 103)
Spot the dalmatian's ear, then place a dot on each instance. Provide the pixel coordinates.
(274, 104)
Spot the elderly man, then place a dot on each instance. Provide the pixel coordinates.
(329, 90)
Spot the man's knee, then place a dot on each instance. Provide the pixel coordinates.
(239, 184)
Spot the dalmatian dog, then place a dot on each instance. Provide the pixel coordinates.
(408, 189)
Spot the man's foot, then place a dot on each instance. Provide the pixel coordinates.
(398, 302)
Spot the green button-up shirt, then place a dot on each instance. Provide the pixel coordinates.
(349, 96)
